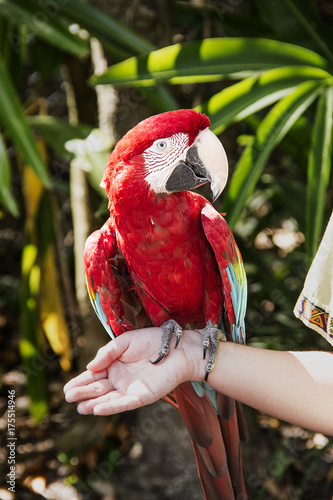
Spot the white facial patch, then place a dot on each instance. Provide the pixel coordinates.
(164, 154)
(162, 157)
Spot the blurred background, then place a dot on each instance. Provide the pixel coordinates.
(262, 70)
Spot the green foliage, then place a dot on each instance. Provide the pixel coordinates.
(54, 24)
(319, 168)
(6, 197)
(269, 133)
(12, 117)
(209, 60)
(44, 23)
(237, 102)
(116, 38)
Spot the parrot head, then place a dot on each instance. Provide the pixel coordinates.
(170, 152)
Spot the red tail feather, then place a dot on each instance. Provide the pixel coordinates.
(216, 442)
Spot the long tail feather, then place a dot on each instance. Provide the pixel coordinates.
(242, 425)
(192, 408)
(216, 441)
(215, 488)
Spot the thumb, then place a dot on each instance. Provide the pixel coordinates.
(108, 353)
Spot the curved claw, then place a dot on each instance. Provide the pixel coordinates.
(169, 327)
(160, 357)
(178, 337)
(211, 336)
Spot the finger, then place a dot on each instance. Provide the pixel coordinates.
(87, 407)
(85, 378)
(117, 405)
(91, 391)
(108, 353)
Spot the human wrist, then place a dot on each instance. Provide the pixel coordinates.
(197, 364)
(193, 350)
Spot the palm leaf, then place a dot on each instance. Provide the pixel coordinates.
(13, 119)
(270, 132)
(319, 167)
(111, 33)
(312, 24)
(44, 24)
(6, 197)
(209, 60)
(248, 96)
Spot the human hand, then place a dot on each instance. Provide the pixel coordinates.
(121, 377)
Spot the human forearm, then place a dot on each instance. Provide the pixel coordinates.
(294, 386)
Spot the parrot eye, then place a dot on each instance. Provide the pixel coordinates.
(161, 145)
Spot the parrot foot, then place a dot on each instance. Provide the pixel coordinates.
(211, 336)
(169, 327)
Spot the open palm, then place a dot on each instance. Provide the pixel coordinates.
(122, 377)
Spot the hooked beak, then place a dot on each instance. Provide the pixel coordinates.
(205, 161)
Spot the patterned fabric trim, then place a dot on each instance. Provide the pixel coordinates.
(315, 317)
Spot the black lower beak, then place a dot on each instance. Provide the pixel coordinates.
(188, 174)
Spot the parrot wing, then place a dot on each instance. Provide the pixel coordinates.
(111, 289)
(109, 284)
(231, 269)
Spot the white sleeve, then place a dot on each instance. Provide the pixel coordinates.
(315, 304)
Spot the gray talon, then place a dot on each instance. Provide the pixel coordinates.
(211, 336)
(178, 332)
(169, 327)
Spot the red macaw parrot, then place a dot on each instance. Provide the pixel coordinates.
(166, 258)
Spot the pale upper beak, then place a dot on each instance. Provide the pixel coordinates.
(206, 161)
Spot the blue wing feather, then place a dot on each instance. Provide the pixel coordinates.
(96, 303)
(239, 300)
